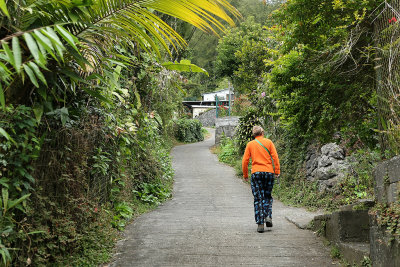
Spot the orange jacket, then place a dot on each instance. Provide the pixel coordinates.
(260, 159)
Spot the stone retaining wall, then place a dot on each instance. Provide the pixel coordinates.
(384, 247)
(225, 126)
(207, 118)
(384, 250)
(387, 178)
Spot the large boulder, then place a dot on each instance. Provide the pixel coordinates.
(327, 165)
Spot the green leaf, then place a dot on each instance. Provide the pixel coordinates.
(2, 98)
(97, 95)
(42, 92)
(6, 135)
(184, 66)
(13, 203)
(32, 45)
(52, 35)
(4, 182)
(95, 76)
(73, 76)
(10, 56)
(4, 195)
(383, 123)
(42, 57)
(36, 232)
(3, 7)
(5, 255)
(73, 16)
(4, 72)
(17, 53)
(67, 36)
(64, 115)
(45, 42)
(81, 60)
(38, 73)
(139, 103)
(38, 111)
(31, 75)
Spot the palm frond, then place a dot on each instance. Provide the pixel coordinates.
(137, 21)
(89, 30)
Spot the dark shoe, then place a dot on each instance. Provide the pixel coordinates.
(260, 228)
(268, 222)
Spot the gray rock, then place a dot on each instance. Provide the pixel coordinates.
(325, 149)
(325, 173)
(313, 176)
(326, 166)
(332, 150)
(324, 161)
(337, 154)
(311, 164)
(327, 185)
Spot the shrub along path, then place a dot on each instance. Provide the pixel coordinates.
(209, 222)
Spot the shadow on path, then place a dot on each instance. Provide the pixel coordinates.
(210, 222)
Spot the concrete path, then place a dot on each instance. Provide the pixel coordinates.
(210, 222)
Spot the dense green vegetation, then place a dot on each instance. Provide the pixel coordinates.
(88, 93)
(316, 72)
(188, 130)
(308, 72)
(202, 47)
(90, 90)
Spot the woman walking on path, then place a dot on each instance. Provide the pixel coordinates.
(264, 164)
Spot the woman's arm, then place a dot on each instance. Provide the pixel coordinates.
(245, 162)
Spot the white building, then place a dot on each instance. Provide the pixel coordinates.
(222, 95)
(208, 101)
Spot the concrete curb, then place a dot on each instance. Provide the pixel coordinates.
(301, 217)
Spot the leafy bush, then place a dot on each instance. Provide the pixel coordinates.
(241, 105)
(359, 183)
(152, 193)
(228, 153)
(244, 132)
(188, 131)
(19, 147)
(79, 180)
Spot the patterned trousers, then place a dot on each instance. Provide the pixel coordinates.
(261, 186)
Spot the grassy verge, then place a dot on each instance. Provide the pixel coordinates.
(228, 154)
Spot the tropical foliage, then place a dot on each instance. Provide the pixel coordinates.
(309, 74)
(202, 48)
(52, 30)
(242, 55)
(188, 131)
(86, 104)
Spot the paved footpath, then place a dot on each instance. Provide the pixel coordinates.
(210, 222)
